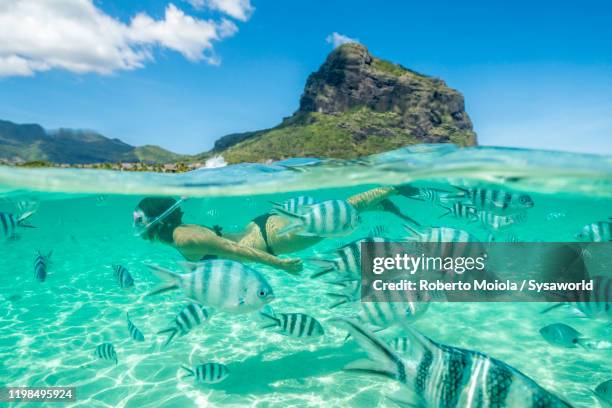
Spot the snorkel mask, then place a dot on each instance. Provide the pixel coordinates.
(142, 223)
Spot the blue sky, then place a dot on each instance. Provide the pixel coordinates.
(534, 74)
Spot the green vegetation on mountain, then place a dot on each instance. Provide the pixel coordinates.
(357, 105)
(32, 143)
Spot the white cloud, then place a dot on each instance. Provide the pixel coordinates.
(238, 9)
(75, 35)
(337, 39)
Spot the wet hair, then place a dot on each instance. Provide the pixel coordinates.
(153, 207)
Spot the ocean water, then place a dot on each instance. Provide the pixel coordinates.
(49, 330)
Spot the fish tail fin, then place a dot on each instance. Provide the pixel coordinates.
(447, 213)
(326, 266)
(341, 299)
(276, 204)
(172, 333)
(548, 309)
(296, 221)
(414, 232)
(190, 372)
(272, 320)
(169, 277)
(23, 216)
(383, 361)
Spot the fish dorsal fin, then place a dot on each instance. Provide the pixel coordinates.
(188, 267)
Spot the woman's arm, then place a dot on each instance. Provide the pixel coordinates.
(195, 242)
(233, 250)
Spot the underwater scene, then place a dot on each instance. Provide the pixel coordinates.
(240, 286)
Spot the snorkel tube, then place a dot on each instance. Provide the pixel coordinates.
(143, 225)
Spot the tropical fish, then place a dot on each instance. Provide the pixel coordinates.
(383, 309)
(559, 334)
(106, 351)
(603, 392)
(135, 333)
(297, 205)
(600, 231)
(221, 284)
(437, 375)
(40, 266)
(431, 195)
(123, 276)
(9, 223)
(294, 324)
(347, 259)
(189, 317)
(494, 199)
(461, 211)
(438, 234)
(594, 304)
(209, 373)
(330, 218)
(495, 221)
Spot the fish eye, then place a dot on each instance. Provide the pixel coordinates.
(262, 293)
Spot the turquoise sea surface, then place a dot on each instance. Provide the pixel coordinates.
(50, 329)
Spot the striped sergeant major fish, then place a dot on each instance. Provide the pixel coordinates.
(188, 318)
(9, 223)
(393, 308)
(447, 242)
(594, 304)
(297, 205)
(294, 324)
(494, 199)
(438, 234)
(106, 351)
(40, 266)
(600, 231)
(495, 221)
(461, 210)
(346, 260)
(330, 218)
(135, 333)
(432, 195)
(123, 276)
(209, 373)
(441, 376)
(383, 309)
(219, 283)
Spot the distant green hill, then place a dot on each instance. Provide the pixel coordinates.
(30, 142)
(357, 105)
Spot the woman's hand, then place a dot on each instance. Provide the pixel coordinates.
(293, 265)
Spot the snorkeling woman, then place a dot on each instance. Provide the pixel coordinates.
(160, 219)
